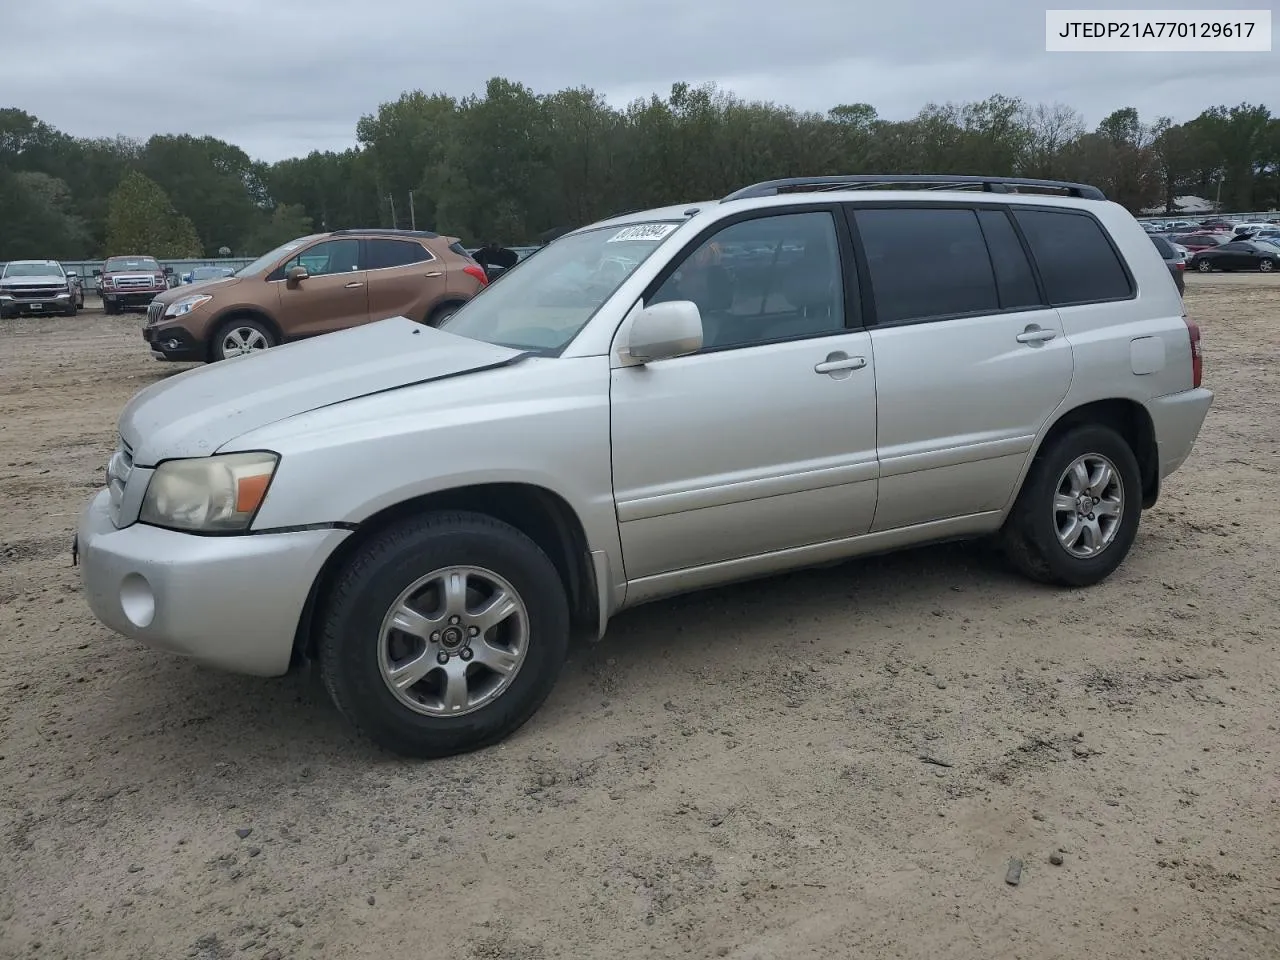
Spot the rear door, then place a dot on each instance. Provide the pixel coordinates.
(970, 360)
(404, 279)
(332, 297)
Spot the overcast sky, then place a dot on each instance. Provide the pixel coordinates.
(283, 77)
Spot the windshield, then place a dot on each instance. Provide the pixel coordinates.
(141, 264)
(544, 301)
(270, 258)
(32, 270)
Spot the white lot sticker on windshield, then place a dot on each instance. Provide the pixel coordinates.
(643, 231)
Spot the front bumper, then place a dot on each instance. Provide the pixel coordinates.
(35, 308)
(131, 298)
(173, 343)
(232, 603)
(1177, 419)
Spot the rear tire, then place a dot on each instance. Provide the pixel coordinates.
(360, 645)
(1050, 509)
(1204, 266)
(442, 313)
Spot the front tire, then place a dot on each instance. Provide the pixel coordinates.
(109, 308)
(239, 336)
(444, 634)
(1077, 513)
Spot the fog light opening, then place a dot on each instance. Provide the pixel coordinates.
(137, 600)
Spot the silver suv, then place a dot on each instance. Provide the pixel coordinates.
(804, 371)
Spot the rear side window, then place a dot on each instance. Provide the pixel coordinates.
(1014, 279)
(381, 254)
(1077, 263)
(926, 263)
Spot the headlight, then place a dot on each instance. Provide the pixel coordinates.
(208, 494)
(186, 305)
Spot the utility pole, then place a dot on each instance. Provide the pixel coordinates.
(392, 200)
(413, 217)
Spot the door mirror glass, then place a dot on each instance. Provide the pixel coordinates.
(97, 273)
(669, 329)
(296, 274)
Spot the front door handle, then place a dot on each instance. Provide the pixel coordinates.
(354, 284)
(838, 361)
(1034, 334)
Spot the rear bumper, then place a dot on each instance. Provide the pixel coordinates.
(228, 602)
(1177, 419)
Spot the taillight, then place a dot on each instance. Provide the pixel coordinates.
(1197, 360)
(1182, 264)
(472, 270)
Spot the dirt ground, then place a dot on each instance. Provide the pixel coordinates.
(837, 763)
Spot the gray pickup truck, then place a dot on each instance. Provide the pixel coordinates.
(39, 287)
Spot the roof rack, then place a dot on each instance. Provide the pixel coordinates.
(861, 181)
(389, 231)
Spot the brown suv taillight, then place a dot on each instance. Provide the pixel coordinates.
(1197, 360)
(472, 270)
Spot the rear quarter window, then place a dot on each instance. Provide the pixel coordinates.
(459, 249)
(1076, 260)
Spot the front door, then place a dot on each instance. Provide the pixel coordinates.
(765, 439)
(404, 279)
(970, 360)
(334, 294)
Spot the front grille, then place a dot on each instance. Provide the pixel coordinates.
(119, 468)
(134, 283)
(36, 293)
(155, 312)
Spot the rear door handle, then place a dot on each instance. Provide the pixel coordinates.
(1034, 334)
(355, 283)
(838, 361)
(434, 273)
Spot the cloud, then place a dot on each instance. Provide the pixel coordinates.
(283, 78)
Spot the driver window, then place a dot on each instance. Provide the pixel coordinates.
(764, 279)
(327, 257)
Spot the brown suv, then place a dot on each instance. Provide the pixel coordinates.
(313, 285)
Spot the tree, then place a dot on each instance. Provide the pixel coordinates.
(141, 220)
(288, 222)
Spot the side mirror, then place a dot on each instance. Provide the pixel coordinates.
(664, 330)
(296, 274)
(73, 275)
(97, 273)
(168, 271)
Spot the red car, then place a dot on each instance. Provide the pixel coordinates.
(1195, 242)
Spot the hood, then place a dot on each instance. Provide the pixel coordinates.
(47, 280)
(174, 294)
(195, 413)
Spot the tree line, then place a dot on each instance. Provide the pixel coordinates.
(514, 165)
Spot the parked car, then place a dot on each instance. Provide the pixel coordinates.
(34, 287)
(433, 513)
(1245, 231)
(200, 274)
(314, 285)
(1176, 261)
(1237, 255)
(126, 283)
(1196, 242)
